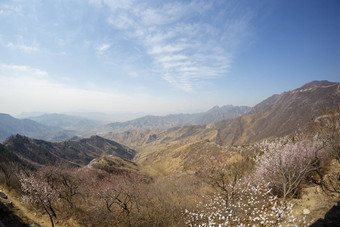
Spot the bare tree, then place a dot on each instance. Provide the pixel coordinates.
(327, 129)
(226, 178)
(118, 192)
(7, 168)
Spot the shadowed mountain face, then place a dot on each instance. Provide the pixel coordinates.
(8, 218)
(79, 152)
(178, 120)
(280, 114)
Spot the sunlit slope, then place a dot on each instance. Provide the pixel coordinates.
(280, 114)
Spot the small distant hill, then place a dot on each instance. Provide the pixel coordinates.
(177, 120)
(66, 122)
(75, 152)
(113, 164)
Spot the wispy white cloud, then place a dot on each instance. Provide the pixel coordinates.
(10, 9)
(20, 70)
(185, 50)
(121, 20)
(103, 47)
(22, 47)
(113, 4)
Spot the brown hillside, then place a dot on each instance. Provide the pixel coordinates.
(280, 115)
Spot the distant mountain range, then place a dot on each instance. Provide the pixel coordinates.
(10, 125)
(173, 142)
(279, 115)
(177, 120)
(59, 127)
(66, 122)
(276, 116)
(95, 116)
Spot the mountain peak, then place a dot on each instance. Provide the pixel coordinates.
(16, 138)
(214, 108)
(5, 115)
(317, 83)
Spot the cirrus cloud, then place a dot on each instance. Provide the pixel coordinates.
(186, 44)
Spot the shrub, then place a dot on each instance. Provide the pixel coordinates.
(284, 169)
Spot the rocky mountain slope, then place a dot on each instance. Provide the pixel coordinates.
(280, 114)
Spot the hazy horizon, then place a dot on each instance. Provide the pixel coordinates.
(107, 117)
(160, 57)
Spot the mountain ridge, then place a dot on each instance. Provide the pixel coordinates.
(280, 114)
(151, 122)
(74, 152)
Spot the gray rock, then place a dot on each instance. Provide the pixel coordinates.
(3, 195)
(306, 211)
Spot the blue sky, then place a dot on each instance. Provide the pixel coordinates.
(160, 57)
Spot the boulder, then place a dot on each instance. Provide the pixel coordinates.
(3, 195)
